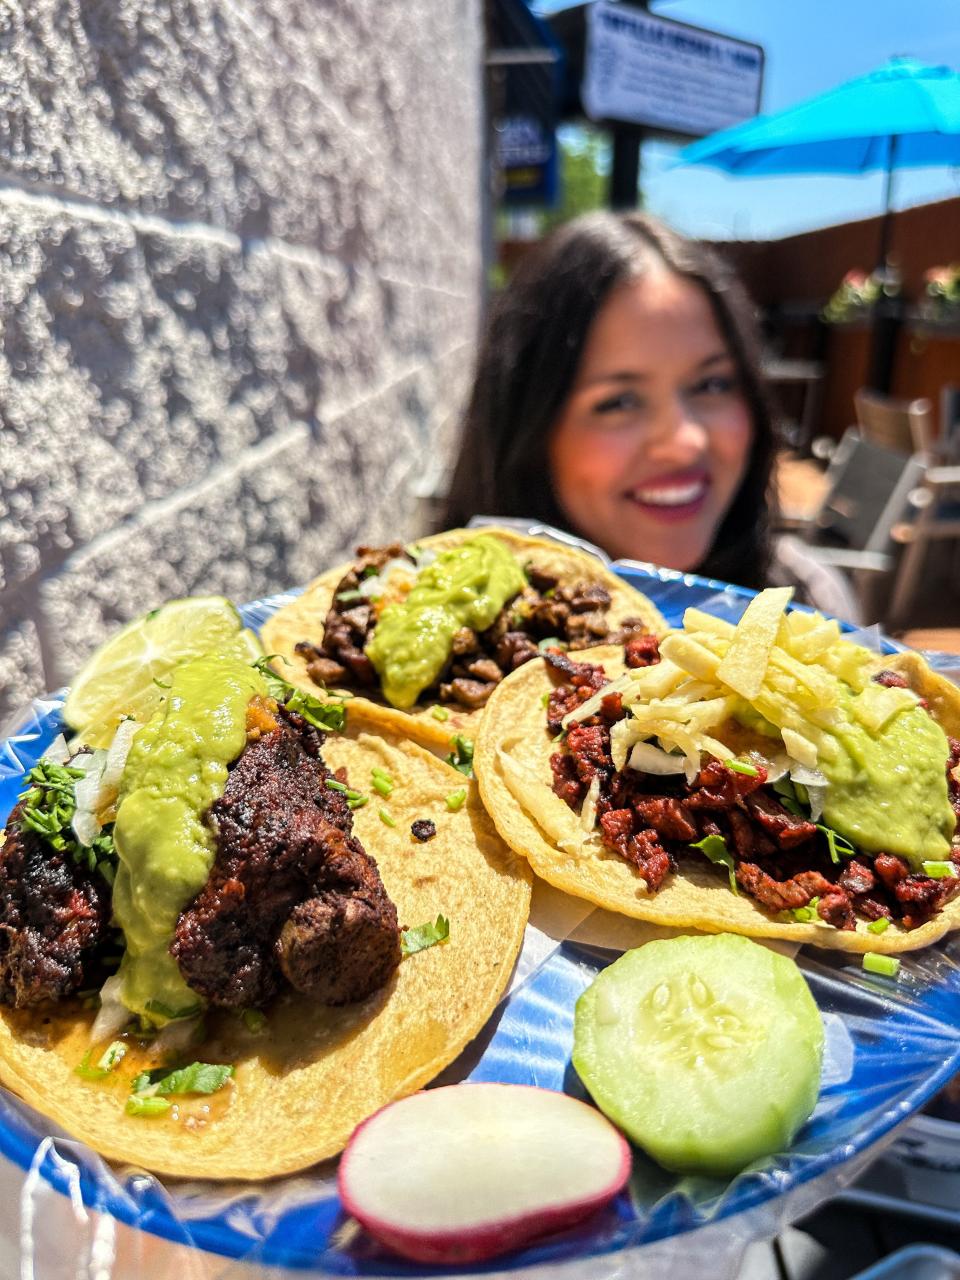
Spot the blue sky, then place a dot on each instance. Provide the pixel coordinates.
(810, 45)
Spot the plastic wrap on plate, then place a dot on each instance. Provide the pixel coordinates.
(890, 1046)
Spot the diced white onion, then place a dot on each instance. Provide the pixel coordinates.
(377, 583)
(114, 1014)
(85, 825)
(588, 813)
(592, 705)
(117, 755)
(98, 789)
(58, 752)
(816, 786)
(647, 758)
(777, 765)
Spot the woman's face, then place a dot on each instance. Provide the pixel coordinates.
(653, 440)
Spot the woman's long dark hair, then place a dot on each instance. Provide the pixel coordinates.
(529, 356)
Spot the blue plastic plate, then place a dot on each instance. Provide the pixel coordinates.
(891, 1045)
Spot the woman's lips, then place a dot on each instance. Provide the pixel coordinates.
(674, 497)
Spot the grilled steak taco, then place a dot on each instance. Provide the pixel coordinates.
(272, 897)
(770, 779)
(426, 633)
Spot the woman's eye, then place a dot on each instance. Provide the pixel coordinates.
(622, 402)
(716, 385)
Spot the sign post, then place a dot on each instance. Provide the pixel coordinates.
(643, 73)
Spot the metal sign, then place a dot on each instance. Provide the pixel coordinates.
(645, 70)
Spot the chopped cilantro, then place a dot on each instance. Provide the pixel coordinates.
(461, 757)
(147, 1107)
(167, 1011)
(455, 799)
(330, 716)
(382, 786)
(334, 785)
(198, 1077)
(788, 797)
(110, 1059)
(254, 1020)
(386, 819)
(837, 844)
(742, 766)
(357, 802)
(49, 804)
(939, 870)
(424, 935)
(715, 848)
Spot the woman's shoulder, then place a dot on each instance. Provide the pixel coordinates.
(795, 564)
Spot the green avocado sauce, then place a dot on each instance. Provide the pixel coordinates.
(887, 791)
(466, 586)
(177, 767)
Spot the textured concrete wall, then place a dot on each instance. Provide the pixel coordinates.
(239, 281)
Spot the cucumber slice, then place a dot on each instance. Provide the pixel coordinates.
(706, 1051)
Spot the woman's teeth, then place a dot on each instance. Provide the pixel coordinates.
(673, 495)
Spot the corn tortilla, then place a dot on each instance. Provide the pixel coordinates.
(307, 1080)
(698, 896)
(303, 619)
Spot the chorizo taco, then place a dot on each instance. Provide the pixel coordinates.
(425, 633)
(231, 936)
(771, 779)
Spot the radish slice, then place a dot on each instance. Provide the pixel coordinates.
(462, 1173)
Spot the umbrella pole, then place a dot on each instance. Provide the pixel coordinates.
(886, 222)
(887, 311)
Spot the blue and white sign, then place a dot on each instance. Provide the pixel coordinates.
(644, 70)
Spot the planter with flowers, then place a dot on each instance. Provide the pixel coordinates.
(940, 303)
(858, 294)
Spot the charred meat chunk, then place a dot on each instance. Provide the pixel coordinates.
(54, 919)
(292, 894)
(423, 829)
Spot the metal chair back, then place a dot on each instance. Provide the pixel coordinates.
(906, 426)
(868, 490)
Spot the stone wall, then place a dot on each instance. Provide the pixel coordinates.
(239, 283)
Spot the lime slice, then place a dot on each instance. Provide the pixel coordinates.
(706, 1051)
(120, 679)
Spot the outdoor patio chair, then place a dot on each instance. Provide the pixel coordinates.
(863, 512)
(935, 509)
(908, 426)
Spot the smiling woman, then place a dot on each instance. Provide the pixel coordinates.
(653, 440)
(618, 395)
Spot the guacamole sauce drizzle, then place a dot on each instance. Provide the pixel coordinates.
(176, 768)
(466, 586)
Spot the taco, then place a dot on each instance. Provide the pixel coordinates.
(770, 779)
(307, 927)
(426, 633)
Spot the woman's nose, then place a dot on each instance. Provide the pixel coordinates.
(678, 432)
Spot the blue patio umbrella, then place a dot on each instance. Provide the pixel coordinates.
(904, 115)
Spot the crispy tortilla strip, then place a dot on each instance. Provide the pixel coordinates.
(698, 897)
(314, 1073)
(303, 619)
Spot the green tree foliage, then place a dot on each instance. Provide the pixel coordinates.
(584, 174)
